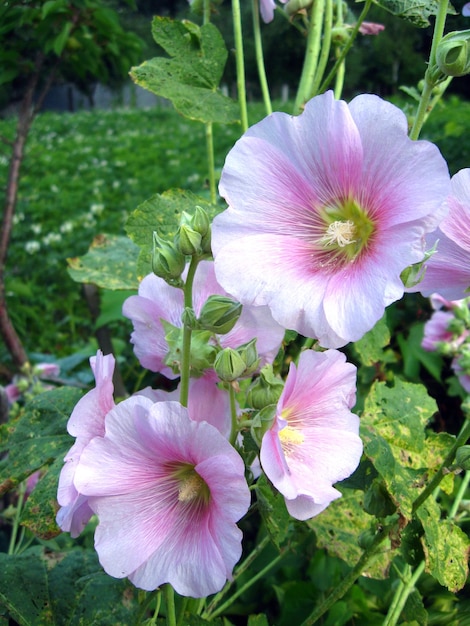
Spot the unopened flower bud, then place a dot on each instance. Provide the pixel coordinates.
(262, 422)
(200, 221)
(297, 6)
(189, 240)
(453, 53)
(219, 314)
(189, 319)
(167, 261)
(206, 242)
(265, 390)
(462, 457)
(249, 354)
(229, 365)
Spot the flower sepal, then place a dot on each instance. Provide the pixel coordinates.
(167, 261)
(453, 53)
(265, 390)
(202, 351)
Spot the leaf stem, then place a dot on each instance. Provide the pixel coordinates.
(260, 58)
(312, 52)
(404, 590)
(186, 350)
(170, 605)
(240, 63)
(347, 47)
(239, 571)
(247, 585)
(429, 82)
(366, 559)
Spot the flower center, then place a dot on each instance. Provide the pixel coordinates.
(191, 487)
(290, 437)
(348, 230)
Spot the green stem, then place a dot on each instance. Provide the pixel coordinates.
(233, 414)
(240, 63)
(170, 605)
(348, 581)
(239, 571)
(247, 585)
(16, 521)
(347, 47)
(311, 56)
(429, 84)
(144, 606)
(339, 80)
(404, 590)
(260, 58)
(449, 459)
(186, 350)
(325, 48)
(211, 162)
(460, 494)
(427, 104)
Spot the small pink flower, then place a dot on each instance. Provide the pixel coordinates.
(448, 269)
(466, 9)
(158, 301)
(267, 8)
(436, 330)
(371, 28)
(13, 393)
(158, 483)
(86, 422)
(314, 441)
(47, 370)
(326, 210)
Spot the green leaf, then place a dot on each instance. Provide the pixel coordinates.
(273, 511)
(393, 432)
(161, 213)
(37, 437)
(446, 547)
(51, 589)
(414, 355)
(338, 527)
(41, 505)
(61, 39)
(109, 263)
(416, 12)
(190, 78)
(370, 347)
(258, 620)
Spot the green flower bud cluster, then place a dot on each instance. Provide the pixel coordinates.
(231, 363)
(265, 390)
(193, 238)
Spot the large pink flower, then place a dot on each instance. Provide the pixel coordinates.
(314, 440)
(325, 211)
(448, 269)
(158, 483)
(86, 422)
(157, 301)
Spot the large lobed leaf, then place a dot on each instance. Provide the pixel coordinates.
(109, 263)
(190, 77)
(51, 589)
(417, 12)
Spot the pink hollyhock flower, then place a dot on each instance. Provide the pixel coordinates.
(206, 401)
(448, 269)
(86, 422)
(466, 9)
(436, 330)
(157, 300)
(13, 393)
(462, 375)
(158, 483)
(326, 210)
(267, 8)
(314, 440)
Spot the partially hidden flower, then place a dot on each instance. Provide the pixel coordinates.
(157, 301)
(466, 9)
(448, 269)
(157, 481)
(371, 28)
(314, 440)
(267, 8)
(326, 210)
(85, 422)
